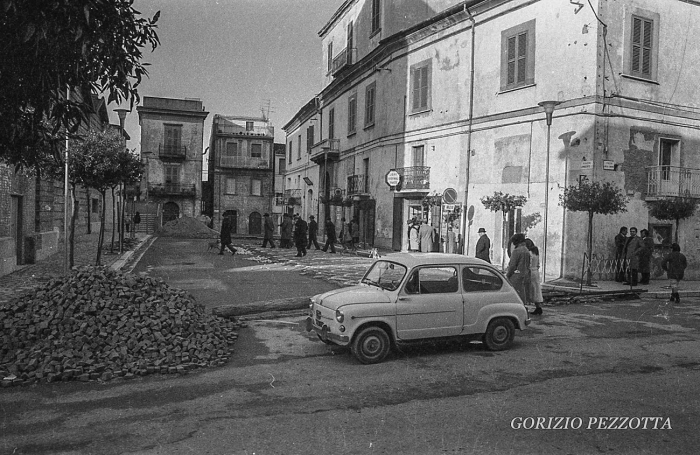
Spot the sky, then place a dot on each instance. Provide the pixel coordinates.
(237, 56)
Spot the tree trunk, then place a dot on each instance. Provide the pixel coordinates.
(101, 235)
(114, 223)
(87, 210)
(675, 237)
(72, 222)
(589, 247)
(122, 199)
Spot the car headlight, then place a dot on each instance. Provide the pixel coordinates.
(339, 316)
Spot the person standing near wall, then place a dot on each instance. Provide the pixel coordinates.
(620, 242)
(535, 286)
(313, 233)
(518, 272)
(426, 233)
(483, 246)
(632, 250)
(645, 256)
(286, 231)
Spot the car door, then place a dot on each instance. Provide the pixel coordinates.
(480, 287)
(430, 304)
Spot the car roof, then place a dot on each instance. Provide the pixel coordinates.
(413, 259)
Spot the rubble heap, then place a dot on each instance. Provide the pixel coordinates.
(99, 324)
(187, 227)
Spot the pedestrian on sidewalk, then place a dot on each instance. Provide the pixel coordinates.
(451, 243)
(620, 242)
(645, 256)
(300, 233)
(518, 272)
(674, 264)
(225, 236)
(427, 234)
(413, 239)
(355, 232)
(330, 236)
(535, 286)
(483, 246)
(269, 231)
(346, 235)
(286, 231)
(632, 250)
(313, 233)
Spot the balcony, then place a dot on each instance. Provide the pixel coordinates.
(343, 60)
(292, 197)
(414, 178)
(327, 149)
(358, 184)
(672, 181)
(172, 189)
(244, 161)
(233, 129)
(172, 152)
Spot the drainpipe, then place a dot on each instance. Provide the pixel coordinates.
(465, 240)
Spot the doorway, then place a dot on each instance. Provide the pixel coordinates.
(255, 224)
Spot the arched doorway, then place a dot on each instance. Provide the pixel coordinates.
(171, 211)
(255, 223)
(233, 214)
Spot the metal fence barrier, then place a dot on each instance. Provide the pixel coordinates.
(604, 267)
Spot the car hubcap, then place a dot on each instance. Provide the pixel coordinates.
(500, 334)
(372, 346)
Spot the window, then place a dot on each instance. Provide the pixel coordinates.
(172, 174)
(369, 104)
(365, 165)
(309, 138)
(290, 151)
(518, 56)
(420, 86)
(299, 146)
(476, 279)
(172, 138)
(249, 126)
(230, 185)
(330, 56)
(433, 280)
(418, 155)
(232, 148)
(331, 124)
(350, 44)
(95, 205)
(376, 15)
(641, 49)
(669, 159)
(256, 150)
(282, 166)
(256, 187)
(352, 113)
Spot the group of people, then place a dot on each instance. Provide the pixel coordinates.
(304, 235)
(633, 258)
(523, 271)
(421, 236)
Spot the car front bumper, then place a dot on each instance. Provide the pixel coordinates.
(324, 332)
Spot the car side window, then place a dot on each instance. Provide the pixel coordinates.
(477, 279)
(433, 280)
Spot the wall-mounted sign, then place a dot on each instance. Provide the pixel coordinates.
(392, 178)
(586, 165)
(608, 165)
(449, 196)
(448, 207)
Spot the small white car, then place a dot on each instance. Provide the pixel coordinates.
(406, 297)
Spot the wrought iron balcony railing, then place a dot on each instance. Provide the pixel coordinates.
(414, 178)
(244, 161)
(292, 197)
(178, 152)
(343, 60)
(358, 184)
(673, 181)
(171, 189)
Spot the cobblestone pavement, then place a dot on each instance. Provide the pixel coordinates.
(85, 252)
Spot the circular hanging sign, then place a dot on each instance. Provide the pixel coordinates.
(449, 196)
(392, 178)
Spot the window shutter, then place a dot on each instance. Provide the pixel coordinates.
(424, 87)
(415, 88)
(646, 50)
(511, 60)
(642, 44)
(522, 57)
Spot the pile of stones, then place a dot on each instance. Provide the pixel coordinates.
(100, 324)
(187, 227)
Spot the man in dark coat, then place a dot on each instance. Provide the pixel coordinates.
(483, 246)
(674, 264)
(286, 231)
(225, 236)
(313, 232)
(330, 236)
(620, 242)
(269, 231)
(300, 231)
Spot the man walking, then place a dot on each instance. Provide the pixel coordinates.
(269, 231)
(483, 246)
(313, 232)
(330, 236)
(300, 231)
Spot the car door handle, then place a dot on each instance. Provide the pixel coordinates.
(404, 298)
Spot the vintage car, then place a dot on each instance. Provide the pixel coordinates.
(406, 297)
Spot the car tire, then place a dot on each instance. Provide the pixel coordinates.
(371, 345)
(499, 334)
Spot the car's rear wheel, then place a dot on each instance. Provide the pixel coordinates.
(499, 334)
(371, 345)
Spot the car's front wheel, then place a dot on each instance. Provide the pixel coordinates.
(371, 345)
(499, 334)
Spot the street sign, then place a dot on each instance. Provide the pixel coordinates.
(586, 165)
(608, 165)
(448, 207)
(392, 178)
(449, 196)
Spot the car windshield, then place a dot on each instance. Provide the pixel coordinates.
(385, 274)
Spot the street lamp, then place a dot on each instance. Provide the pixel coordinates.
(548, 107)
(121, 112)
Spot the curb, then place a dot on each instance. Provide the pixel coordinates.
(261, 306)
(119, 263)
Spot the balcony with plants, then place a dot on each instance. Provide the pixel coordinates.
(414, 178)
(672, 181)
